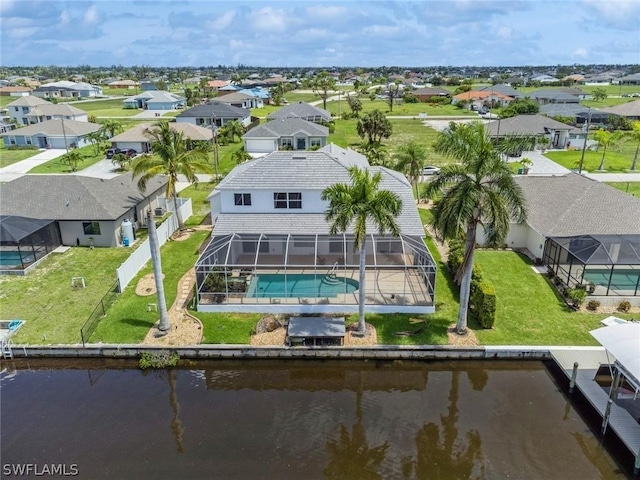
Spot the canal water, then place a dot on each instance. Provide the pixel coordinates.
(297, 420)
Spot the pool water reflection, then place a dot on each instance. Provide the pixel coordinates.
(311, 419)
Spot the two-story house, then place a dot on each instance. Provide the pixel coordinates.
(272, 249)
(30, 110)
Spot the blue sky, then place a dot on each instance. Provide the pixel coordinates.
(319, 33)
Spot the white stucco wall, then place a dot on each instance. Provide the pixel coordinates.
(71, 231)
(262, 202)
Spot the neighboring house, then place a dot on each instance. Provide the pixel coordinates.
(544, 97)
(6, 126)
(535, 126)
(270, 226)
(67, 89)
(425, 94)
(15, 91)
(217, 84)
(128, 84)
(587, 217)
(20, 108)
(227, 89)
(502, 88)
(285, 134)
(146, 85)
(303, 111)
(139, 139)
(258, 92)
(579, 113)
(629, 110)
(482, 98)
(214, 112)
(155, 100)
(84, 207)
(50, 111)
(578, 92)
(241, 100)
(52, 134)
(630, 79)
(544, 78)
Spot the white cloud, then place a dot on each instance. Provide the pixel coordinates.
(580, 53)
(504, 32)
(91, 15)
(223, 21)
(64, 18)
(270, 19)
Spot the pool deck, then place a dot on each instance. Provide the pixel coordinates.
(589, 359)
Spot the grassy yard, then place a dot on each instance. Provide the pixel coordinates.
(10, 156)
(615, 161)
(107, 108)
(128, 320)
(201, 206)
(632, 188)
(529, 311)
(406, 109)
(56, 165)
(55, 311)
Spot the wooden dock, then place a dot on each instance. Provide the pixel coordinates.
(589, 360)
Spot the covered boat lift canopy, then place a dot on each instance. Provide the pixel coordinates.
(622, 340)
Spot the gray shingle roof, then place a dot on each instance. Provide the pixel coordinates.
(55, 128)
(73, 197)
(575, 205)
(156, 96)
(526, 125)
(28, 101)
(503, 89)
(629, 109)
(300, 110)
(346, 156)
(290, 171)
(139, 132)
(554, 94)
(53, 109)
(215, 109)
(287, 127)
(235, 97)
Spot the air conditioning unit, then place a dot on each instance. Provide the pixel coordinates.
(159, 211)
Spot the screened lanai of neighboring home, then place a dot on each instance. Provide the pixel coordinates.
(311, 269)
(24, 241)
(606, 265)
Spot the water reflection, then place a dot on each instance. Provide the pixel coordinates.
(304, 419)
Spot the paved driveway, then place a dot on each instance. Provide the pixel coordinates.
(541, 164)
(102, 169)
(19, 169)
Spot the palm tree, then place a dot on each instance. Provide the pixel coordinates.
(111, 127)
(410, 160)
(606, 139)
(233, 130)
(95, 138)
(240, 156)
(634, 135)
(479, 189)
(170, 157)
(121, 161)
(358, 203)
(72, 158)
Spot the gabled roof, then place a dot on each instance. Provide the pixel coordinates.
(235, 97)
(55, 128)
(527, 125)
(629, 109)
(28, 101)
(346, 156)
(128, 82)
(481, 95)
(300, 110)
(302, 171)
(139, 132)
(287, 127)
(440, 91)
(73, 197)
(215, 109)
(55, 109)
(553, 94)
(503, 89)
(156, 96)
(575, 205)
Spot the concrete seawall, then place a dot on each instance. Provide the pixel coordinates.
(389, 352)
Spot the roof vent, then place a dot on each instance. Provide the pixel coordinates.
(299, 157)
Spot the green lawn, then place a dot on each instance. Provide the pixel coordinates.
(55, 311)
(529, 311)
(613, 162)
(228, 328)
(7, 99)
(107, 108)
(9, 156)
(128, 320)
(632, 188)
(296, 96)
(201, 206)
(406, 109)
(56, 165)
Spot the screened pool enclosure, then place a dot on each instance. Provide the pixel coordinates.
(314, 273)
(24, 241)
(606, 265)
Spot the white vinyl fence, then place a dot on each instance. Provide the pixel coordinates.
(132, 265)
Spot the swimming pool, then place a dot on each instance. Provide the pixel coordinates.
(277, 285)
(13, 258)
(621, 279)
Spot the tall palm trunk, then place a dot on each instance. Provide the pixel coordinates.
(164, 324)
(465, 283)
(361, 291)
(604, 152)
(178, 214)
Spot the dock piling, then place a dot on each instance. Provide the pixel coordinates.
(574, 374)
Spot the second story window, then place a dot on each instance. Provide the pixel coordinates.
(242, 199)
(287, 200)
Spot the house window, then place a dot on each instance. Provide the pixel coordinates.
(12, 140)
(91, 228)
(286, 142)
(242, 199)
(315, 142)
(304, 243)
(28, 139)
(287, 200)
